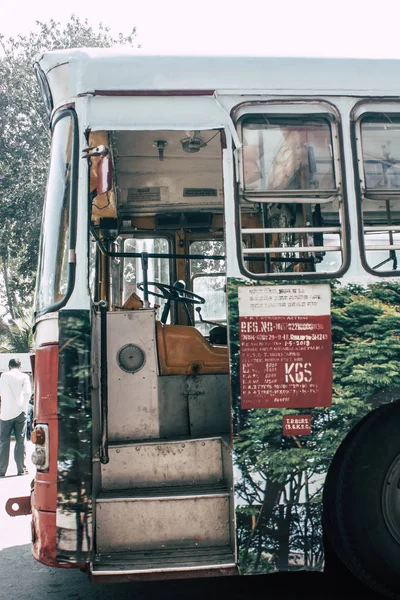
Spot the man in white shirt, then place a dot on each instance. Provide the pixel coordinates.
(15, 391)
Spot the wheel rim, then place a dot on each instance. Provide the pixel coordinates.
(391, 499)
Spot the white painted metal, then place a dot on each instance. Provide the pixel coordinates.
(229, 172)
(187, 516)
(101, 69)
(356, 271)
(382, 247)
(46, 330)
(132, 397)
(163, 463)
(155, 113)
(384, 228)
(80, 298)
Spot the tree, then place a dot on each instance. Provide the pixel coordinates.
(25, 144)
(16, 335)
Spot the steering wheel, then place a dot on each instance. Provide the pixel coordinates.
(173, 293)
(176, 292)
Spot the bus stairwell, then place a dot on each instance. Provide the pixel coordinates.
(163, 489)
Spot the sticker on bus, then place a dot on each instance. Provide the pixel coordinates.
(285, 346)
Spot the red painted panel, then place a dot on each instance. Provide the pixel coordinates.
(296, 425)
(19, 505)
(46, 378)
(286, 361)
(45, 491)
(44, 498)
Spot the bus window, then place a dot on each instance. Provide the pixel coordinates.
(287, 154)
(290, 202)
(208, 280)
(53, 271)
(380, 192)
(158, 268)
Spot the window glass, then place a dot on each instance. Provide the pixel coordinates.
(293, 238)
(380, 206)
(381, 152)
(381, 224)
(52, 278)
(158, 268)
(208, 280)
(287, 154)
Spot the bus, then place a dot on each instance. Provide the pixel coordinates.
(217, 366)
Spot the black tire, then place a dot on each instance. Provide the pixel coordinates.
(362, 502)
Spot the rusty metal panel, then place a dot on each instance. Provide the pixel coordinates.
(208, 404)
(173, 406)
(172, 560)
(15, 507)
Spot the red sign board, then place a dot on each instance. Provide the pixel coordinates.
(296, 425)
(285, 346)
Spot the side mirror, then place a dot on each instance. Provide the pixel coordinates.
(104, 175)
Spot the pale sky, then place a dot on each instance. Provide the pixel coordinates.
(352, 28)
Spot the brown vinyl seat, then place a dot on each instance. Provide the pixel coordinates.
(182, 350)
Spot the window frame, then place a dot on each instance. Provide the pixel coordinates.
(286, 108)
(64, 112)
(361, 111)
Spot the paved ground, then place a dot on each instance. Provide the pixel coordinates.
(22, 578)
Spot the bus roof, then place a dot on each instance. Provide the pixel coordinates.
(86, 71)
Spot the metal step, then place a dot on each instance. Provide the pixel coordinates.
(155, 518)
(174, 559)
(163, 463)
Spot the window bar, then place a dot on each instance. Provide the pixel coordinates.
(302, 249)
(293, 230)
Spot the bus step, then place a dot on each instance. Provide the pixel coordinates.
(164, 560)
(150, 518)
(163, 462)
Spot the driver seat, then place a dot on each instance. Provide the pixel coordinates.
(182, 350)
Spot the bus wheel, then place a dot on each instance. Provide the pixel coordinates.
(362, 502)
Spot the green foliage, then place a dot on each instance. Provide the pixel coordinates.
(16, 334)
(282, 477)
(25, 144)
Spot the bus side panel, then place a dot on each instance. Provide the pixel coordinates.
(44, 496)
(74, 531)
(280, 478)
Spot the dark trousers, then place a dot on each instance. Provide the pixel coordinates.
(6, 427)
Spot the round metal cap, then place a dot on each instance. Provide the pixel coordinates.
(131, 358)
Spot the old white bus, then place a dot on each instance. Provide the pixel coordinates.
(217, 317)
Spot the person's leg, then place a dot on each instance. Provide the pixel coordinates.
(5, 432)
(19, 450)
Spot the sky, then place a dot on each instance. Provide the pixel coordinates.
(341, 28)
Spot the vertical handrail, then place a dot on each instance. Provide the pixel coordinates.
(145, 266)
(104, 458)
